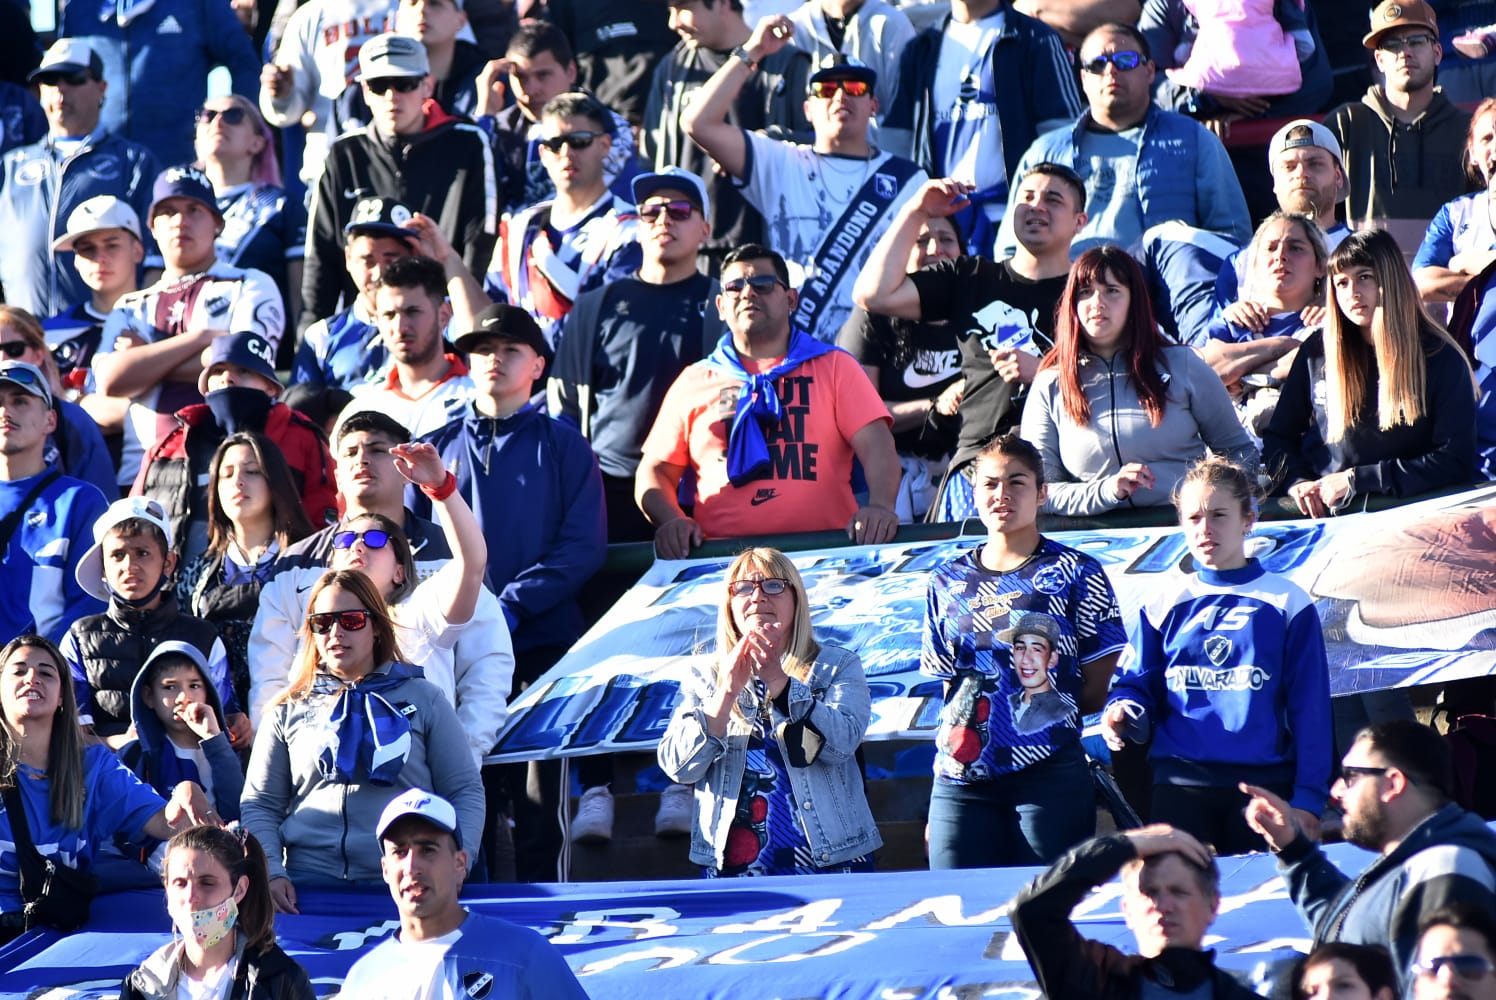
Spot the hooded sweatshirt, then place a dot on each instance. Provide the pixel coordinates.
(147, 754)
(1399, 171)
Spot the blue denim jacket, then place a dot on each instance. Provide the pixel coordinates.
(833, 808)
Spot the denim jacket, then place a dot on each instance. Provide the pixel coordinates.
(833, 808)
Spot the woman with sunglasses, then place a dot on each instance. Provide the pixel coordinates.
(262, 228)
(356, 728)
(767, 729)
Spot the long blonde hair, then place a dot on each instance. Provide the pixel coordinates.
(800, 646)
(386, 647)
(64, 748)
(1398, 327)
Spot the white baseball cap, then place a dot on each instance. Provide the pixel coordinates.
(90, 571)
(102, 211)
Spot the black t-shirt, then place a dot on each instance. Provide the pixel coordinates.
(914, 361)
(987, 304)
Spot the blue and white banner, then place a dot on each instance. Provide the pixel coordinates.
(1406, 596)
(905, 935)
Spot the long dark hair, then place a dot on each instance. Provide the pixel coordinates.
(240, 858)
(64, 748)
(288, 518)
(1143, 356)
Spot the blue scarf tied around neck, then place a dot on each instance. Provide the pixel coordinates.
(368, 731)
(758, 402)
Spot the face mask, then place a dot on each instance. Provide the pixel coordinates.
(209, 926)
(239, 408)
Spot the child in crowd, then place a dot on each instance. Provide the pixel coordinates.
(179, 731)
(1228, 667)
(130, 565)
(1340, 971)
(1245, 48)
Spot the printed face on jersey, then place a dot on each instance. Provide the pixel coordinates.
(1007, 494)
(1033, 659)
(582, 145)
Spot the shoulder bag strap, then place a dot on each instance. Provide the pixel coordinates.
(28, 858)
(12, 520)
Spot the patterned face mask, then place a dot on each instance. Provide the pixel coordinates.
(208, 926)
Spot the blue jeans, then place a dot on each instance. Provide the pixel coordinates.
(1029, 817)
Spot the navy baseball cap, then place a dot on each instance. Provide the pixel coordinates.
(676, 179)
(183, 182)
(380, 217)
(65, 57)
(247, 350)
(844, 68)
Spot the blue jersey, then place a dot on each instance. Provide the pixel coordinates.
(999, 716)
(342, 352)
(42, 594)
(1230, 667)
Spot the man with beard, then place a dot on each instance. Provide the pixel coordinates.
(1395, 788)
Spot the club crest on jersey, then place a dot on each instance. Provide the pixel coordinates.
(477, 985)
(885, 185)
(1218, 648)
(1049, 580)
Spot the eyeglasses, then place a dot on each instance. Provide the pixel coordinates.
(14, 349)
(1413, 43)
(772, 587)
(1124, 61)
(77, 79)
(231, 116)
(678, 211)
(576, 140)
(826, 89)
(763, 284)
(374, 538)
(399, 84)
(1350, 772)
(1464, 966)
(349, 621)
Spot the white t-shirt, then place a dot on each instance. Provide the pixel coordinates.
(426, 637)
(965, 104)
(200, 761)
(402, 970)
(214, 986)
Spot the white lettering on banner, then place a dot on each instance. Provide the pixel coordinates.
(632, 924)
(943, 911)
(839, 942)
(354, 940)
(663, 958)
(802, 920)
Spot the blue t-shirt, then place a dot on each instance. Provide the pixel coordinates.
(969, 614)
(1109, 163)
(42, 594)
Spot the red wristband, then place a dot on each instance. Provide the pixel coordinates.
(439, 493)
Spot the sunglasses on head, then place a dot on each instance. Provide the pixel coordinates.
(854, 88)
(233, 115)
(349, 621)
(14, 349)
(576, 140)
(374, 538)
(399, 84)
(772, 586)
(678, 211)
(763, 284)
(20, 376)
(1464, 966)
(1124, 61)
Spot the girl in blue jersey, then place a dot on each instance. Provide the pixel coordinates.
(1227, 667)
(1014, 628)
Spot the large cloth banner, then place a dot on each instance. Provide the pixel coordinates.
(896, 936)
(1406, 597)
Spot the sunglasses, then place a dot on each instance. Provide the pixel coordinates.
(21, 376)
(763, 284)
(374, 538)
(576, 140)
(825, 89)
(772, 587)
(678, 211)
(1417, 43)
(77, 79)
(349, 621)
(1464, 966)
(231, 116)
(1124, 61)
(14, 349)
(399, 84)
(1350, 772)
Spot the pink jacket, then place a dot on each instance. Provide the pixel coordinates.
(1241, 51)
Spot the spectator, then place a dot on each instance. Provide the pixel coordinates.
(356, 728)
(626, 342)
(585, 237)
(769, 727)
(253, 516)
(1456, 956)
(153, 342)
(79, 159)
(1075, 19)
(1170, 897)
(241, 393)
(1181, 212)
(412, 152)
(769, 103)
(22, 120)
(346, 350)
(617, 47)
(1006, 780)
(45, 513)
(1117, 412)
(1402, 130)
(232, 940)
(103, 234)
(440, 945)
(1460, 242)
(987, 63)
(1394, 789)
(179, 729)
(130, 565)
(1255, 711)
(1326, 447)
(1340, 971)
(262, 228)
(427, 386)
(824, 205)
(779, 458)
(1002, 313)
(74, 797)
(872, 32)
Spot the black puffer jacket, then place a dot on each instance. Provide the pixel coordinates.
(261, 975)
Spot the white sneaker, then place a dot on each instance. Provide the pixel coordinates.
(673, 819)
(593, 823)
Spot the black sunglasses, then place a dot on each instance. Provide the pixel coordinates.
(678, 211)
(763, 284)
(231, 116)
(772, 586)
(374, 538)
(399, 84)
(1350, 772)
(1124, 61)
(576, 140)
(14, 349)
(350, 621)
(77, 79)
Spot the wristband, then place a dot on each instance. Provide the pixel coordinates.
(742, 54)
(443, 490)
